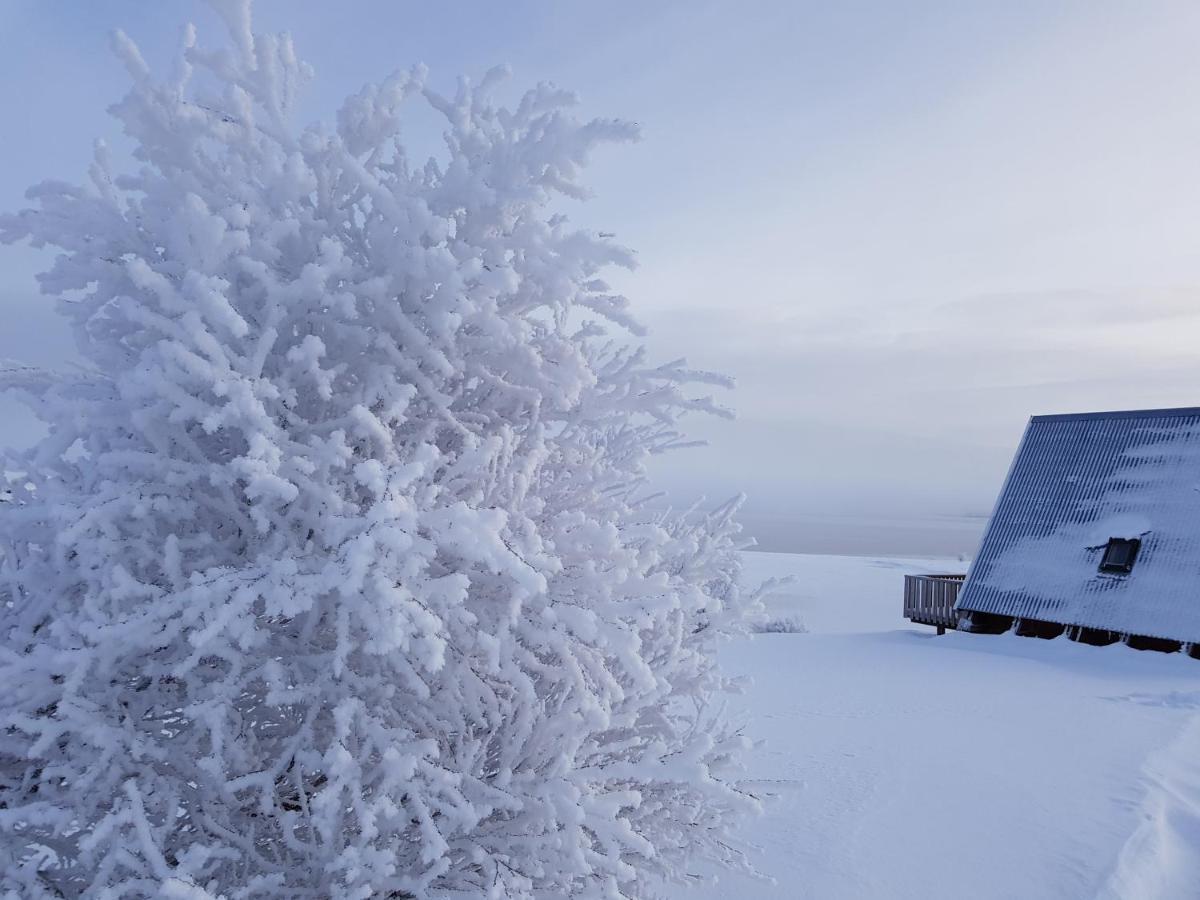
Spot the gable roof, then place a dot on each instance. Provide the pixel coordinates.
(1077, 481)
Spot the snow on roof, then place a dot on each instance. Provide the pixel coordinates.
(1076, 482)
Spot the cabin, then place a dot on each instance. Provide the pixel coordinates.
(1096, 535)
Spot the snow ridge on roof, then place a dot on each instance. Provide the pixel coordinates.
(1179, 411)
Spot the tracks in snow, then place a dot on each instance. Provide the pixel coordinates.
(1161, 858)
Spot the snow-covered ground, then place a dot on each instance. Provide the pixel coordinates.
(905, 765)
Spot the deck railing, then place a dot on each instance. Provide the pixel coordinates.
(930, 599)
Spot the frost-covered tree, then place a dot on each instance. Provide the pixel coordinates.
(335, 576)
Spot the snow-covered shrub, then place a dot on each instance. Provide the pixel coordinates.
(333, 577)
(781, 625)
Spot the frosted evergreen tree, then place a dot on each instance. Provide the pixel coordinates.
(334, 577)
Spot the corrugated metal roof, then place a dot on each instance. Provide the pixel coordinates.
(1077, 481)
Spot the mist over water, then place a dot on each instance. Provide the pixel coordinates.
(955, 537)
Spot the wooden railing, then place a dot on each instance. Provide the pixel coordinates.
(929, 599)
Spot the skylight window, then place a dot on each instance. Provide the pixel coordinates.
(1119, 555)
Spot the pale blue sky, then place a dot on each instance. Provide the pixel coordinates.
(904, 227)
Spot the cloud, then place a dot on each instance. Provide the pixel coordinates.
(919, 406)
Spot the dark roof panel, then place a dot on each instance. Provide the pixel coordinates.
(1076, 482)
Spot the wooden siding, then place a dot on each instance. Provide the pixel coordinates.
(930, 599)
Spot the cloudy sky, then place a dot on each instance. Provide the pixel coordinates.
(904, 227)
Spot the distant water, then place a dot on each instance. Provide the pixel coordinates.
(949, 536)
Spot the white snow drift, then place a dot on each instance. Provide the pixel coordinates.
(907, 766)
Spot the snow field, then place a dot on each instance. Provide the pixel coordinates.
(905, 765)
